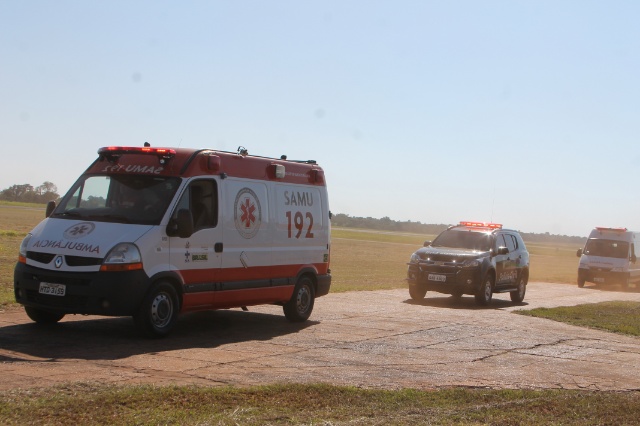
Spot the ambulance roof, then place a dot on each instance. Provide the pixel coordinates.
(189, 162)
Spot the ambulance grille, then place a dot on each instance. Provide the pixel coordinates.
(40, 257)
(82, 261)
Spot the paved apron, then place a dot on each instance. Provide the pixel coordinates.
(377, 339)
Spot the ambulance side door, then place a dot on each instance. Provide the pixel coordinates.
(198, 258)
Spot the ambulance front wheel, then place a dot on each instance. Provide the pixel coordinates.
(42, 317)
(299, 307)
(159, 310)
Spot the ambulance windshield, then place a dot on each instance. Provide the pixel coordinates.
(607, 248)
(119, 198)
(480, 241)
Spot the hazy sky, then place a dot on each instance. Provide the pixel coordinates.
(526, 113)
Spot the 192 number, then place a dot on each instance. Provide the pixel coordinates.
(299, 225)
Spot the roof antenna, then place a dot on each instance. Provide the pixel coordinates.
(147, 144)
(242, 151)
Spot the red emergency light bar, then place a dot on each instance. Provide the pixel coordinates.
(603, 228)
(114, 152)
(482, 225)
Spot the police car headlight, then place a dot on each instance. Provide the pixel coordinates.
(22, 254)
(474, 263)
(123, 257)
(415, 258)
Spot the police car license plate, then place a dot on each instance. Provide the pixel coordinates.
(52, 289)
(598, 280)
(436, 277)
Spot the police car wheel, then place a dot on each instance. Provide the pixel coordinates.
(42, 317)
(159, 311)
(299, 307)
(485, 292)
(417, 292)
(518, 295)
(580, 283)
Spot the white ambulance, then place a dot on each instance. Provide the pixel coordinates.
(610, 256)
(152, 232)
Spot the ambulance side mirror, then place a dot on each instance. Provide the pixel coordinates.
(579, 252)
(51, 206)
(182, 225)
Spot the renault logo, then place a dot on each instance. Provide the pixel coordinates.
(58, 262)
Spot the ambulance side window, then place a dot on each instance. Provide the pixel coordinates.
(201, 199)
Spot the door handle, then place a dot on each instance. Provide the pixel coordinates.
(217, 247)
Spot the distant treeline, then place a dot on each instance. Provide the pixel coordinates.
(30, 194)
(387, 224)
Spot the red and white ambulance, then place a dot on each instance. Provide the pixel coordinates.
(152, 232)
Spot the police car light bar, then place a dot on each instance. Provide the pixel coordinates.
(113, 152)
(603, 228)
(482, 225)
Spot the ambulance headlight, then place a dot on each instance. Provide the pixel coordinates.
(123, 257)
(22, 254)
(415, 258)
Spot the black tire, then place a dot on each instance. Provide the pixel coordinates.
(485, 291)
(457, 295)
(299, 307)
(417, 292)
(43, 317)
(580, 283)
(518, 295)
(159, 310)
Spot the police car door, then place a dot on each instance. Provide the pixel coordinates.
(501, 262)
(509, 273)
(198, 258)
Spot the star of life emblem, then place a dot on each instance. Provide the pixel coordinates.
(79, 230)
(247, 213)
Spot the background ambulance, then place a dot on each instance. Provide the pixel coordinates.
(610, 256)
(151, 232)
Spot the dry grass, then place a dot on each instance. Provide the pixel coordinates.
(360, 259)
(313, 404)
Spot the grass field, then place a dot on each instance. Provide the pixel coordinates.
(313, 405)
(360, 259)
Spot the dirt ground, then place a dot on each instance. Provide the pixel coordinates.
(378, 339)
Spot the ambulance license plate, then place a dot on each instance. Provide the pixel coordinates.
(52, 289)
(598, 280)
(436, 277)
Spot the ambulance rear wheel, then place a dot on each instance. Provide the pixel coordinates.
(42, 317)
(299, 307)
(580, 283)
(159, 310)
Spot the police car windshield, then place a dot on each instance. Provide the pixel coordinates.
(463, 239)
(120, 198)
(607, 248)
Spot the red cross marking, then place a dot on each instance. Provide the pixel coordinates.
(247, 213)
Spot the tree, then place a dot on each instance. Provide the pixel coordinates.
(17, 192)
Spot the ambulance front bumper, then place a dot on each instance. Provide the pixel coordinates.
(95, 293)
(600, 276)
